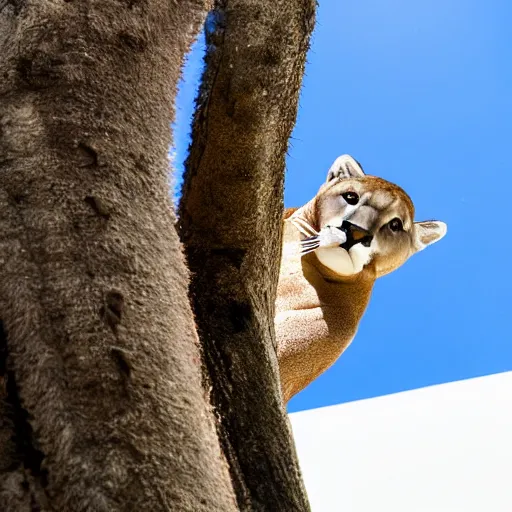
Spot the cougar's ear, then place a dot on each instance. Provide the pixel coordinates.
(428, 232)
(345, 167)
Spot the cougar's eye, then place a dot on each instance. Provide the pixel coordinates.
(351, 197)
(396, 225)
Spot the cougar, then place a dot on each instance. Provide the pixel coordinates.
(356, 229)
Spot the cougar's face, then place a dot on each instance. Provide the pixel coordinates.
(377, 218)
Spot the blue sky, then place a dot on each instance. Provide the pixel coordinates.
(421, 94)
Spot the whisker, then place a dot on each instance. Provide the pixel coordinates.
(312, 240)
(307, 226)
(302, 230)
(303, 226)
(307, 251)
(312, 243)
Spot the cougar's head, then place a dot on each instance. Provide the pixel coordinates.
(375, 217)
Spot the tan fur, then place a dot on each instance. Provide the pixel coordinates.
(318, 309)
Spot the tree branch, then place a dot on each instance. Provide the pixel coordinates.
(230, 219)
(100, 361)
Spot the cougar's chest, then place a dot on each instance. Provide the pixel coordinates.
(294, 292)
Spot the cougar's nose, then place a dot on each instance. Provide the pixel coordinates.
(356, 234)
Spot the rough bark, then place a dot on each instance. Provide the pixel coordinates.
(102, 406)
(230, 221)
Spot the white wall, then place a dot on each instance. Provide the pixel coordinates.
(445, 448)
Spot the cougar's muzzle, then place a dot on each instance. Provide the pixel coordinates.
(355, 235)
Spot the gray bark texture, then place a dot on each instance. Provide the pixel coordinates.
(102, 406)
(231, 225)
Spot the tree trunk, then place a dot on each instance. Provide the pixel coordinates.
(102, 406)
(231, 220)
